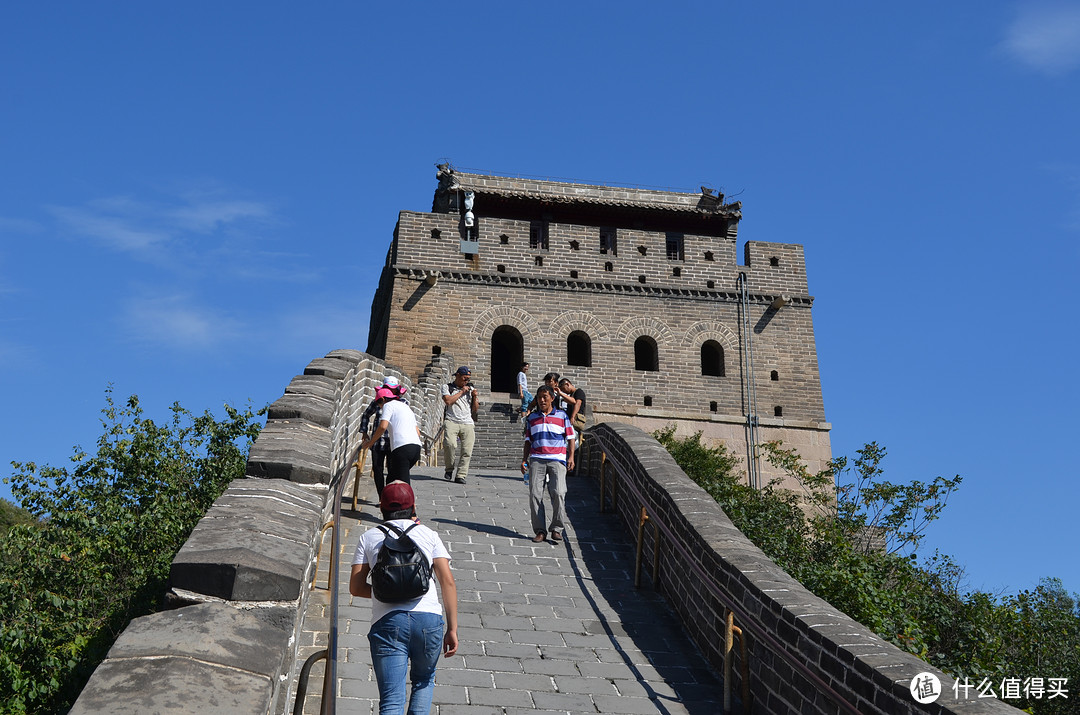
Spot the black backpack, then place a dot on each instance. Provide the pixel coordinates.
(402, 572)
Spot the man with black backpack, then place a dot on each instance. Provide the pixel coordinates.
(401, 555)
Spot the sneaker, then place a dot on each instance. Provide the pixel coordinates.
(459, 480)
(556, 536)
(448, 475)
(539, 538)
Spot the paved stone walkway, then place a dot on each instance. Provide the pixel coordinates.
(543, 628)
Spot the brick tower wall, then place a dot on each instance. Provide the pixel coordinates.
(434, 297)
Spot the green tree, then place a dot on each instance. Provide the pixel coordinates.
(11, 515)
(108, 530)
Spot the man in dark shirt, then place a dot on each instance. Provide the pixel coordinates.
(573, 399)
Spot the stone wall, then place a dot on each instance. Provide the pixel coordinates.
(239, 585)
(830, 651)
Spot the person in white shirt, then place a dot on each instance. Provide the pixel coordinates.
(398, 419)
(523, 387)
(412, 630)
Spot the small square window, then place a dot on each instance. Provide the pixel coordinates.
(641, 279)
(539, 260)
(504, 239)
(500, 268)
(774, 261)
(708, 255)
(574, 245)
(710, 284)
(648, 401)
(608, 267)
(676, 271)
(573, 274)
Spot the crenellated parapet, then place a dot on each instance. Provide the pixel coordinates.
(240, 584)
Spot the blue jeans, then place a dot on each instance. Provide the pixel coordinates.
(397, 638)
(526, 398)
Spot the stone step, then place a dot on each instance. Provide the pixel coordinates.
(498, 438)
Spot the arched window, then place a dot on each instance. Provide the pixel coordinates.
(578, 349)
(507, 353)
(645, 355)
(712, 358)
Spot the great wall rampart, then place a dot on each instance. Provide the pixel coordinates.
(241, 582)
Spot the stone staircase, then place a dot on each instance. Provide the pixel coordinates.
(498, 434)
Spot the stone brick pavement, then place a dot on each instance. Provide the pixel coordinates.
(544, 628)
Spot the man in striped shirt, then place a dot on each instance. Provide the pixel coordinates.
(549, 450)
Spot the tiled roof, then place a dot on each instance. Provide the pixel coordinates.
(565, 192)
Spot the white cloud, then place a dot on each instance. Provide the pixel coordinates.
(121, 232)
(1046, 37)
(208, 216)
(150, 229)
(176, 321)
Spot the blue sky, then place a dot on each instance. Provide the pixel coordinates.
(196, 200)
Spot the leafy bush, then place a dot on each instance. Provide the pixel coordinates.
(11, 515)
(100, 551)
(853, 538)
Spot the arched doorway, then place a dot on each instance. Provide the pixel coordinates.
(507, 354)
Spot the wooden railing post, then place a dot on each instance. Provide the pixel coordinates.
(644, 517)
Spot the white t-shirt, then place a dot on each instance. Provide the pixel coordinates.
(367, 550)
(523, 382)
(402, 423)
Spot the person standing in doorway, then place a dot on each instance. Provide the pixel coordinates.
(459, 429)
(523, 387)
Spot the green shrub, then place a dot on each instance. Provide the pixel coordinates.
(105, 535)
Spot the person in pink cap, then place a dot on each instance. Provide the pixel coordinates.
(398, 420)
(380, 450)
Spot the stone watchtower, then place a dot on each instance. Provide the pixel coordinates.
(636, 294)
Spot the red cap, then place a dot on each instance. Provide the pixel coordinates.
(397, 496)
